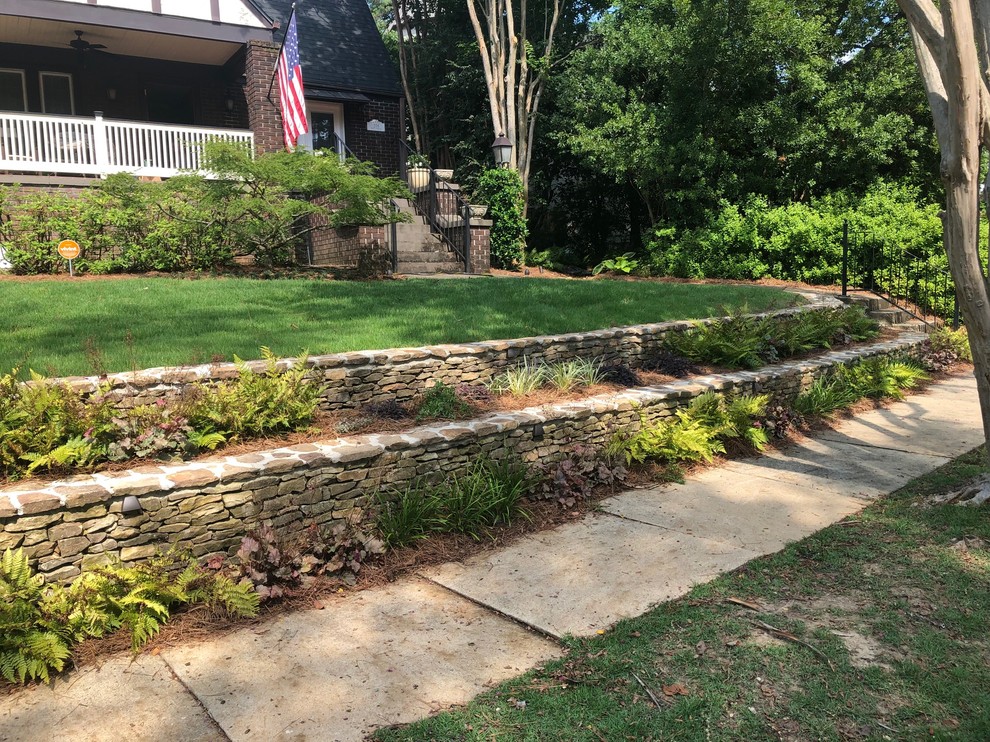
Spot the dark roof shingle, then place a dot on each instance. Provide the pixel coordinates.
(339, 45)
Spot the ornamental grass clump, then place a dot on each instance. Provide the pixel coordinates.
(489, 493)
(874, 378)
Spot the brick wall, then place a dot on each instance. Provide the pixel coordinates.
(206, 506)
(481, 246)
(381, 148)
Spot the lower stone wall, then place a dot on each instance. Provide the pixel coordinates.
(206, 506)
(350, 380)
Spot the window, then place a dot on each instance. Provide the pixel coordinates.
(56, 93)
(325, 121)
(13, 93)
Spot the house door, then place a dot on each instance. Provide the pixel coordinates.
(326, 127)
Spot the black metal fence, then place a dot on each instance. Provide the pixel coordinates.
(919, 285)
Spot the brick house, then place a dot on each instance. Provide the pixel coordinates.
(90, 87)
(94, 87)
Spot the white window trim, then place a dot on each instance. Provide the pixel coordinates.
(72, 92)
(24, 100)
(337, 109)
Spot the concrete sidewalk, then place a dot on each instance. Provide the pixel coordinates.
(398, 653)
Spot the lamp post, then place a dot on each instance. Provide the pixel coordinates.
(502, 148)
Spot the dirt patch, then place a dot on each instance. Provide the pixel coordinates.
(841, 615)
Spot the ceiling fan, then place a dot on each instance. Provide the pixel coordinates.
(81, 45)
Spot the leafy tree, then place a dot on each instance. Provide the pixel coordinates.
(685, 104)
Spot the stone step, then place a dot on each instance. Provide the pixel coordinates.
(414, 267)
(444, 256)
(889, 316)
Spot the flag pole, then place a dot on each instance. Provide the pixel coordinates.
(279, 56)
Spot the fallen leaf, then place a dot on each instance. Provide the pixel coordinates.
(677, 689)
(732, 642)
(700, 648)
(635, 635)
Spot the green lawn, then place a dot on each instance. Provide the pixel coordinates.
(898, 613)
(86, 327)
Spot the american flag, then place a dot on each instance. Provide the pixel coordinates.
(290, 87)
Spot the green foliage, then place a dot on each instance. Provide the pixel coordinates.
(257, 403)
(442, 403)
(750, 342)
(686, 106)
(487, 494)
(39, 624)
(883, 378)
(799, 241)
(625, 263)
(49, 426)
(563, 375)
(256, 207)
(695, 433)
(407, 515)
(523, 379)
(502, 190)
(874, 378)
(30, 647)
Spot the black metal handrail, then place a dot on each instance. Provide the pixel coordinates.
(446, 211)
(908, 282)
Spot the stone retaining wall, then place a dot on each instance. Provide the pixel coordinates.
(353, 379)
(208, 505)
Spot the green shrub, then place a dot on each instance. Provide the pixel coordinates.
(502, 190)
(520, 380)
(874, 378)
(750, 342)
(955, 341)
(486, 495)
(798, 241)
(825, 395)
(883, 378)
(258, 207)
(695, 433)
(48, 426)
(39, 624)
(256, 404)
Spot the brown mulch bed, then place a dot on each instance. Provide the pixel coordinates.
(349, 422)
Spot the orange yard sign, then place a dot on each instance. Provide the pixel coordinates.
(68, 249)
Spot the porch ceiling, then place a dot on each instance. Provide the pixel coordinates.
(120, 41)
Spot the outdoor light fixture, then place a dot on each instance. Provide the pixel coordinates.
(502, 148)
(230, 104)
(538, 432)
(111, 93)
(131, 505)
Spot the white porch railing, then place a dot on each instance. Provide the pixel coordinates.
(74, 145)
